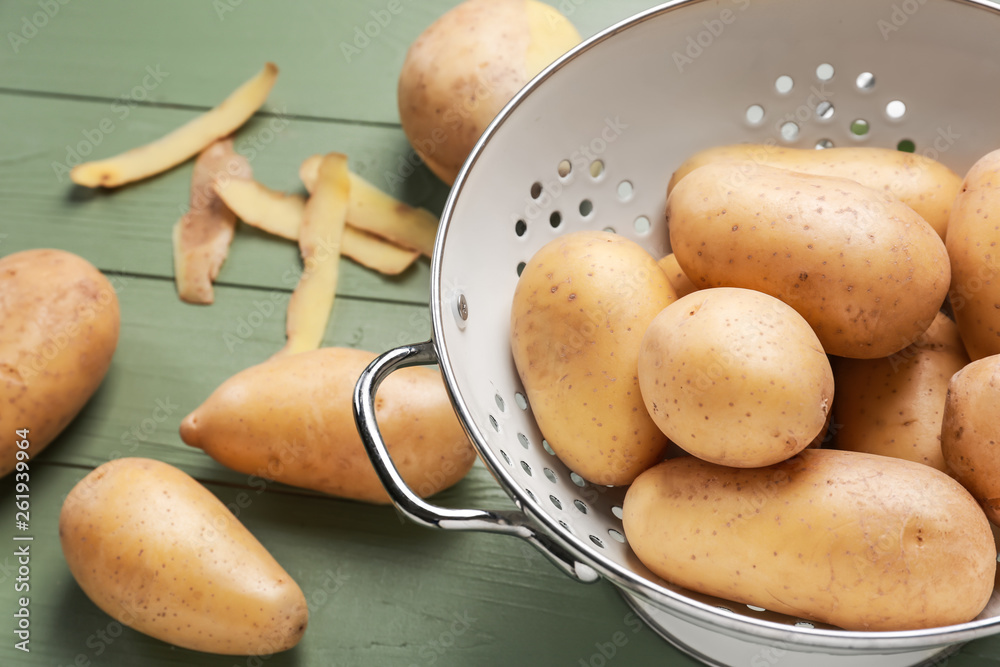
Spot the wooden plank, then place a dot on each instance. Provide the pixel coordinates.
(128, 229)
(330, 67)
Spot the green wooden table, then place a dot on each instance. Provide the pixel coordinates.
(85, 79)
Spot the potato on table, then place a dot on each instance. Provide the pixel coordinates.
(865, 271)
(735, 377)
(855, 540)
(59, 323)
(290, 419)
(894, 406)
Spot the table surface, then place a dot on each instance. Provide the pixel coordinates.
(90, 79)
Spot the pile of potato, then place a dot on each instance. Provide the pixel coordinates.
(843, 450)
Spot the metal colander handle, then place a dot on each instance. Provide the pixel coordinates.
(416, 508)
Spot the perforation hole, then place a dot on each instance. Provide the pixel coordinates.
(824, 110)
(784, 84)
(499, 400)
(642, 225)
(520, 268)
(523, 439)
(555, 219)
(536, 190)
(521, 401)
(755, 114)
(906, 145)
(625, 190)
(596, 540)
(547, 447)
(494, 424)
(865, 81)
(526, 468)
(555, 502)
(823, 144)
(616, 536)
(531, 495)
(610, 230)
(789, 131)
(586, 207)
(860, 127)
(721, 608)
(824, 72)
(551, 476)
(596, 169)
(804, 624)
(753, 608)
(580, 505)
(505, 457)
(617, 511)
(579, 481)
(520, 227)
(565, 525)
(895, 109)
(564, 168)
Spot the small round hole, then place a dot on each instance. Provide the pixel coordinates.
(505, 457)
(499, 399)
(547, 447)
(551, 476)
(721, 608)
(494, 424)
(906, 145)
(865, 81)
(555, 501)
(536, 190)
(520, 227)
(565, 525)
(784, 84)
(520, 268)
(580, 505)
(610, 230)
(824, 72)
(824, 110)
(579, 481)
(789, 131)
(531, 495)
(616, 536)
(565, 167)
(526, 468)
(521, 401)
(523, 439)
(823, 143)
(642, 224)
(860, 127)
(617, 511)
(804, 624)
(754, 608)
(625, 190)
(755, 114)
(596, 540)
(596, 168)
(555, 219)
(586, 207)
(895, 109)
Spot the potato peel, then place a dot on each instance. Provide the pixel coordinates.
(374, 211)
(184, 142)
(202, 236)
(319, 242)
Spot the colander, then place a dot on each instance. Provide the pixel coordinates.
(591, 143)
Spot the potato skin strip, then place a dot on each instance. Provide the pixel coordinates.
(281, 214)
(184, 142)
(319, 242)
(202, 236)
(376, 212)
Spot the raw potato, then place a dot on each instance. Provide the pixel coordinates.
(859, 541)
(202, 236)
(735, 377)
(59, 323)
(282, 214)
(184, 142)
(290, 420)
(675, 274)
(923, 184)
(973, 235)
(970, 432)
(320, 237)
(159, 553)
(867, 273)
(371, 210)
(580, 309)
(466, 66)
(894, 406)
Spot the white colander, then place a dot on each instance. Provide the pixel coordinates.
(591, 144)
